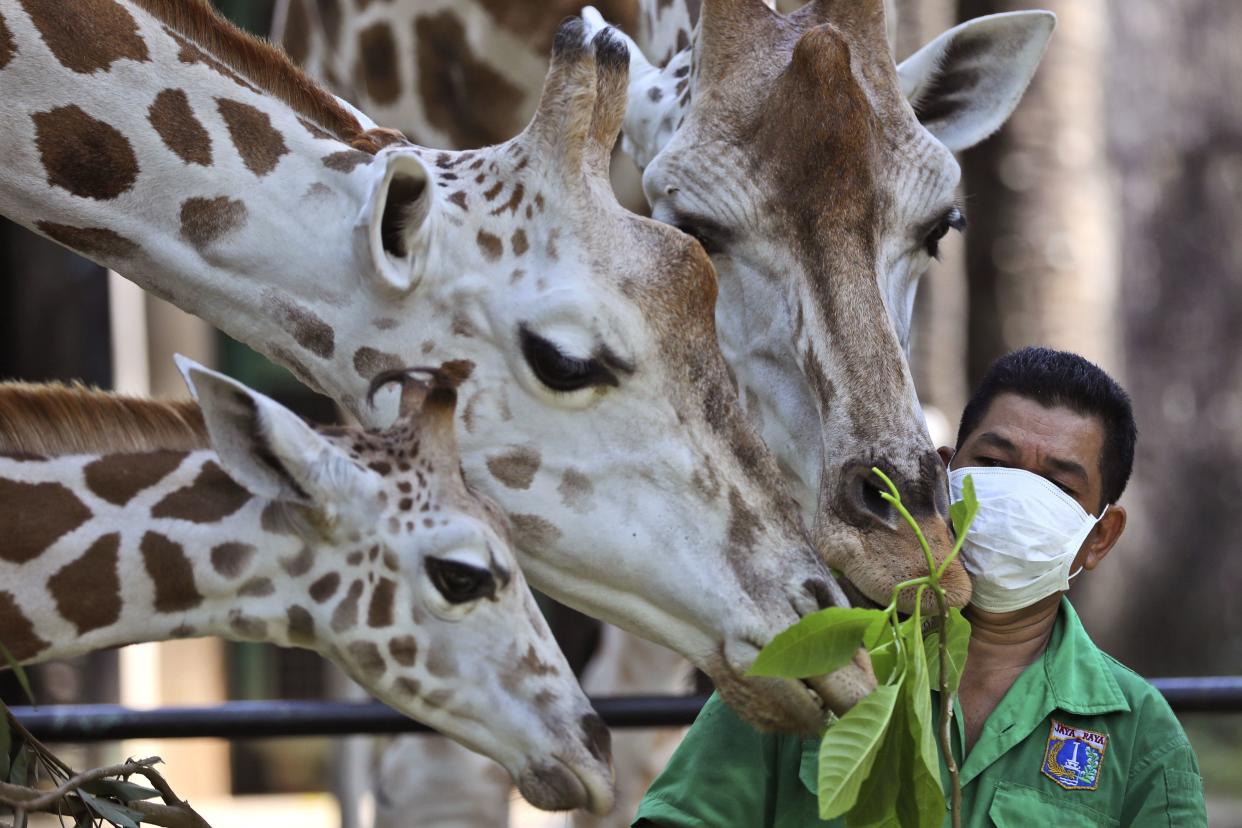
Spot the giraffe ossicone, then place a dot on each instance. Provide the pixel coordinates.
(820, 178)
(363, 545)
(598, 411)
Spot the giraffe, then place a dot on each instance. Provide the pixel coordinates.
(597, 411)
(363, 545)
(820, 179)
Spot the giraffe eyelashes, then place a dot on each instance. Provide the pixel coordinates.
(460, 583)
(954, 219)
(560, 372)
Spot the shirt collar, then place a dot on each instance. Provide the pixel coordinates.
(1077, 672)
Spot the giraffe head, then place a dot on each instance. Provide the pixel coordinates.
(820, 177)
(598, 411)
(409, 581)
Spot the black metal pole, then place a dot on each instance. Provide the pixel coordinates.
(255, 719)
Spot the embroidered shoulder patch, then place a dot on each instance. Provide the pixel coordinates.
(1074, 757)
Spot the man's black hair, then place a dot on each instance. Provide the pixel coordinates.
(1059, 378)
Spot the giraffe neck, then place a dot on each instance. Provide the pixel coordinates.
(107, 550)
(153, 154)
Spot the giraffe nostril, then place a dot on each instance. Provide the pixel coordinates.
(598, 738)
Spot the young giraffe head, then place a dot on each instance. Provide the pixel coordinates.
(434, 616)
(364, 545)
(820, 178)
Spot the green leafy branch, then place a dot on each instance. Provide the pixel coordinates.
(35, 780)
(878, 763)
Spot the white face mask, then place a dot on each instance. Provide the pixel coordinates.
(1024, 539)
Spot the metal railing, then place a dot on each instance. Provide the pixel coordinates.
(255, 719)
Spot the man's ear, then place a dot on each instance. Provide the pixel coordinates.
(397, 210)
(946, 454)
(967, 82)
(267, 449)
(1102, 538)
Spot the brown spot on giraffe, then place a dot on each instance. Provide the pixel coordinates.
(404, 650)
(459, 198)
(515, 201)
(368, 362)
(550, 247)
(368, 658)
(325, 587)
(375, 66)
(576, 490)
(299, 564)
(87, 591)
(413, 688)
(231, 559)
(345, 616)
(7, 47)
(330, 17)
(462, 326)
(490, 245)
(204, 220)
(301, 629)
(36, 515)
(493, 191)
(379, 612)
(532, 665)
(346, 160)
(536, 23)
(171, 572)
(515, 469)
(534, 532)
(213, 495)
(259, 144)
(113, 34)
(440, 660)
(84, 155)
(462, 95)
(275, 519)
(173, 120)
(307, 329)
(257, 588)
(116, 478)
(654, 94)
(93, 242)
(17, 634)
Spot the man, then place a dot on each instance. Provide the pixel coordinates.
(1049, 730)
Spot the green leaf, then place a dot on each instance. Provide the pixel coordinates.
(959, 643)
(849, 750)
(114, 813)
(20, 769)
(17, 671)
(877, 631)
(819, 643)
(877, 797)
(922, 795)
(119, 790)
(963, 512)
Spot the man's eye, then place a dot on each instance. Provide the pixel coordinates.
(559, 371)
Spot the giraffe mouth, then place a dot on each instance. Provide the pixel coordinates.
(857, 597)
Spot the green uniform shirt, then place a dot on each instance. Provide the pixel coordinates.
(1075, 714)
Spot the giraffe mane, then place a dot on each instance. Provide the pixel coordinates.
(53, 419)
(262, 63)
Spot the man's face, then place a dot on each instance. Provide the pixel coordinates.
(1056, 443)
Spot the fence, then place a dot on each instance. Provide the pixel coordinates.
(254, 719)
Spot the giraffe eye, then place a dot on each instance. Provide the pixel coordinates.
(952, 220)
(459, 582)
(559, 371)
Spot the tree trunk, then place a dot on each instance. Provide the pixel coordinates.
(1175, 132)
(1040, 243)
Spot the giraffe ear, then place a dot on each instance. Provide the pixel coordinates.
(395, 217)
(967, 82)
(270, 451)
